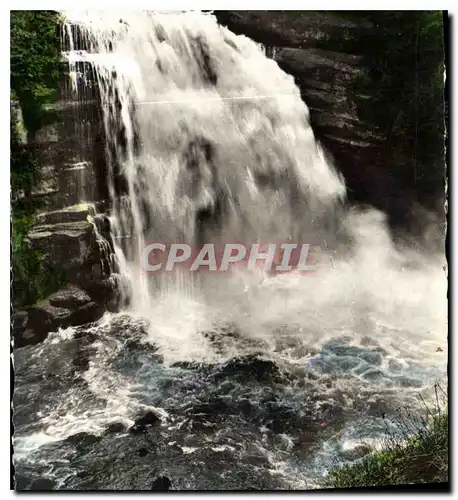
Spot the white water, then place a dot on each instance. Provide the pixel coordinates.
(257, 127)
(252, 119)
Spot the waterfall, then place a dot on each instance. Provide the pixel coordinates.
(228, 381)
(208, 140)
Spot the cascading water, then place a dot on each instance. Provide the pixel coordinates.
(199, 132)
(258, 385)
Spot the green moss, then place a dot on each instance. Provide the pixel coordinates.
(421, 458)
(33, 278)
(34, 62)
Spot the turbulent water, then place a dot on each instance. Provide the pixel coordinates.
(258, 383)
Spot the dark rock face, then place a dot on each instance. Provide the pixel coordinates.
(68, 307)
(69, 241)
(71, 236)
(277, 28)
(71, 244)
(71, 147)
(314, 47)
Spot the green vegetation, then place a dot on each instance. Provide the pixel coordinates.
(32, 277)
(418, 455)
(35, 65)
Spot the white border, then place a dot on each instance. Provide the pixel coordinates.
(4, 169)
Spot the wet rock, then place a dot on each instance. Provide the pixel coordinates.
(216, 406)
(116, 428)
(21, 482)
(70, 297)
(27, 336)
(45, 317)
(65, 244)
(329, 56)
(250, 367)
(71, 245)
(188, 365)
(42, 485)
(19, 321)
(162, 483)
(83, 439)
(76, 213)
(283, 421)
(281, 29)
(150, 419)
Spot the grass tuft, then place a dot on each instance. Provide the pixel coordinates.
(416, 453)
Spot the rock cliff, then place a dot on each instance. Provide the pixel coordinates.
(352, 69)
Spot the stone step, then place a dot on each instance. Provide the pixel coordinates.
(75, 213)
(66, 184)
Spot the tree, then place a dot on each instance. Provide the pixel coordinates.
(35, 71)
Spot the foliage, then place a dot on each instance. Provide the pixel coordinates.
(418, 453)
(35, 64)
(33, 277)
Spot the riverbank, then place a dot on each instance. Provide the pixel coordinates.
(421, 458)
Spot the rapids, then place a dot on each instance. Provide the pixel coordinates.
(260, 384)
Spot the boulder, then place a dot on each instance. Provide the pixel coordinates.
(116, 428)
(141, 424)
(70, 297)
(249, 368)
(82, 439)
(43, 485)
(70, 306)
(21, 482)
(66, 245)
